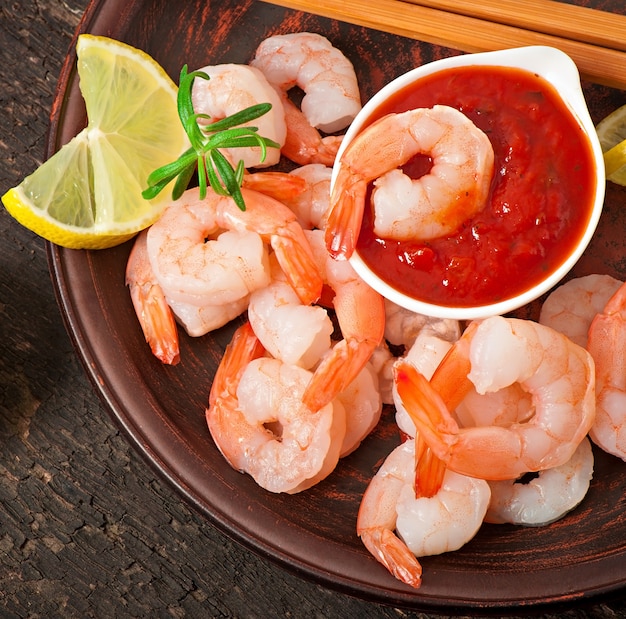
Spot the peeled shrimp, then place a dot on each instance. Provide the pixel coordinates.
(504, 407)
(154, 314)
(310, 61)
(382, 361)
(303, 143)
(198, 320)
(311, 204)
(232, 88)
(363, 404)
(546, 498)
(607, 345)
(360, 313)
(491, 355)
(425, 525)
(455, 189)
(571, 307)
(259, 423)
(289, 330)
(192, 270)
(402, 326)
(430, 345)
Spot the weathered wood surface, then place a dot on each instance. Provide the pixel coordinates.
(86, 529)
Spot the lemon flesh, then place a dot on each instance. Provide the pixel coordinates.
(88, 194)
(612, 136)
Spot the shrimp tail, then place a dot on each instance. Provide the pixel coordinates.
(157, 322)
(153, 312)
(429, 470)
(345, 213)
(243, 348)
(295, 258)
(303, 143)
(336, 372)
(426, 408)
(222, 411)
(387, 549)
(278, 185)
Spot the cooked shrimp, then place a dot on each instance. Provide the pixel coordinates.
(310, 205)
(281, 186)
(198, 320)
(259, 423)
(430, 345)
(425, 525)
(491, 355)
(571, 307)
(360, 313)
(402, 326)
(192, 270)
(295, 333)
(232, 88)
(607, 345)
(303, 143)
(310, 61)
(363, 404)
(546, 498)
(504, 407)
(455, 189)
(153, 312)
(382, 361)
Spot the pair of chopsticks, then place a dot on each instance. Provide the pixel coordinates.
(594, 39)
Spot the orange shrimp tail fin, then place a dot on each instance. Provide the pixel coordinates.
(278, 185)
(157, 322)
(387, 549)
(297, 262)
(303, 143)
(426, 408)
(243, 348)
(345, 214)
(327, 151)
(429, 470)
(336, 371)
(450, 379)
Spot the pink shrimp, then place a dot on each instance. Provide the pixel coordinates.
(189, 267)
(154, 314)
(607, 345)
(360, 312)
(433, 205)
(303, 143)
(439, 513)
(491, 355)
(331, 92)
(260, 424)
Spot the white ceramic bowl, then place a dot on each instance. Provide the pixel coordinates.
(561, 72)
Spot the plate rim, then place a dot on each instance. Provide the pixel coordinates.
(60, 260)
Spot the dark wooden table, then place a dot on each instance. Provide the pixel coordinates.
(86, 529)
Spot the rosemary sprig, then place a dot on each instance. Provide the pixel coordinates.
(213, 167)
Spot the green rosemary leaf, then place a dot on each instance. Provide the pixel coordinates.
(206, 139)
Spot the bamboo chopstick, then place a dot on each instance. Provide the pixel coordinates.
(468, 34)
(568, 21)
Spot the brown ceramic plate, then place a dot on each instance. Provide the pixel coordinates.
(504, 568)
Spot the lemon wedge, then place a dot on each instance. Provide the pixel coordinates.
(88, 194)
(612, 136)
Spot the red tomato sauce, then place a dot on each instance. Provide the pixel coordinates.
(539, 204)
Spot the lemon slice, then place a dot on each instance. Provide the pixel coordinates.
(612, 136)
(88, 194)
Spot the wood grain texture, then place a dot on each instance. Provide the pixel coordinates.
(548, 16)
(86, 527)
(466, 32)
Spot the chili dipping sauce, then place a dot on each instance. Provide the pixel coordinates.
(540, 199)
